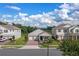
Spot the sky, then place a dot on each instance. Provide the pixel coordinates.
(39, 14)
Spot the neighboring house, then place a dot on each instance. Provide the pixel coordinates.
(66, 31)
(39, 35)
(10, 30)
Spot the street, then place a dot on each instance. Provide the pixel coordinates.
(29, 52)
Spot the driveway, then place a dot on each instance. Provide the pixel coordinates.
(4, 42)
(31, 44)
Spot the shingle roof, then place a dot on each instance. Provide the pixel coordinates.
(37, 33)
(44, 34)
(10, 27)
(62, 26)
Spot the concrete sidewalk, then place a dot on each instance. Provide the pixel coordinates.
(30, 47)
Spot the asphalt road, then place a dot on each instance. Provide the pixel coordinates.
(29, 52)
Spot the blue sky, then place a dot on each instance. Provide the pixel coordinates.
(38, 14)
(30, 8)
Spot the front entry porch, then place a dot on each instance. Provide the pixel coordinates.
(43, 38)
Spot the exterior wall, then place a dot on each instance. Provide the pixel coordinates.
(32, 38)
(66, 35)
(2, 29)
(74, 31)
(16, 33)
(60, 35)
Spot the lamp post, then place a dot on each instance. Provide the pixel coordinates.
(48, 47)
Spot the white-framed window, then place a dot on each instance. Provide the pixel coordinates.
(13, 30)
(65, 30)
(5, 31)
(10, 30)
(59, 30)
(77, 30)
(0, 30)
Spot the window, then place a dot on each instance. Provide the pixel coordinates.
(13, 30)
(10, 30)
(65, 30)
(59, 30)
(77, 31)
(0, 30)
(5, 31)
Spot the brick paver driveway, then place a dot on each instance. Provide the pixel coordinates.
(31, 44)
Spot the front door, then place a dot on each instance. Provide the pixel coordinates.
(41, 38)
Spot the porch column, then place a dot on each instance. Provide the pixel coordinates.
(43, 38)
(76, 37)
(72, 37)
(38, 38)
(33, 38)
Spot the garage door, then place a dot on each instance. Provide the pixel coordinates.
(30, 38)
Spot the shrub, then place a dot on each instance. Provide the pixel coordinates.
(70, 47)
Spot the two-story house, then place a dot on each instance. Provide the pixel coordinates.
(10, 30)
(66, 31)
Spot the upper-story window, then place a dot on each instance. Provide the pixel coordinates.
(77, 31)
(13, 30)
(59, 30)
(5, 31)
(65, 30)
(10, 30)
(0, 30)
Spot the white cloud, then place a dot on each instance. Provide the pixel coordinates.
(35, 17)
(66, 13)
(44, 18)
(14, 7)
(65, 6)
(6, 15)
(75, 14)
(73, 9)
(23, 14)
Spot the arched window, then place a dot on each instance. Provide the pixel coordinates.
(59, 30)
(77, 30)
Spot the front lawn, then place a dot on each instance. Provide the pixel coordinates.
(52, 44)
(17, 43)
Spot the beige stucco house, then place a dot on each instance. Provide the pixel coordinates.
(10, 30)
(66, 31)
(39, 35)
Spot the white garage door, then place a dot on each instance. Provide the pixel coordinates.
(32, 38)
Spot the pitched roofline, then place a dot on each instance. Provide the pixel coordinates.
(13, 27)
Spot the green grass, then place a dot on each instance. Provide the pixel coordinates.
(53, 44)
(17, 43)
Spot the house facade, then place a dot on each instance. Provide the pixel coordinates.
(39, 35)
(10, 30)
(66, 31)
